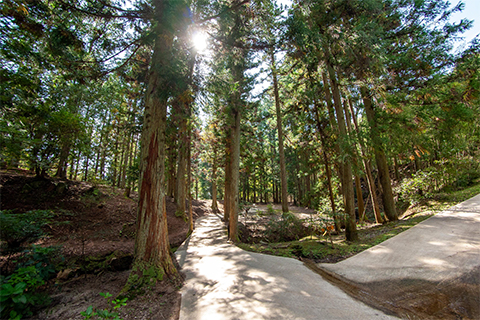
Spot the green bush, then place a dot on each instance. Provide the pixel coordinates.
(109, 313)
(286, 228)
(445, 175)
(418, 187)
(21, 228)
(44, 259)
(18, 293)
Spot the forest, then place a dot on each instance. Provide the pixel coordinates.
(356, 109)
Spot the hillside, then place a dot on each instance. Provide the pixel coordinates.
(94, 226)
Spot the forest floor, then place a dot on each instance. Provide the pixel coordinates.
(266, 231)
(94, 226)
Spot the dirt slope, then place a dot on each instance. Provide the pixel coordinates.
(95, 225)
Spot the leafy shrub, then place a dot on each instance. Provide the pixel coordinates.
(18, 293)
(416, 188)
(286, 228)
(44, 259)
(18, 290)
(18, 229)
(270, 210)
(445, 175)
(109, 313)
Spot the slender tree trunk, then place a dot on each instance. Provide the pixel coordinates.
(368, 172)
(196, 189)
(87, 160)
(214, 181)
(172, 160)
(77, 164)
(347, 183)
(395, 164)
(125, 161)
(333, 123)
(381, 159)
(189, 181)
(180, 195)
(234, 181)
(358, 186)
(72, 166)
(283, 170)
(228, 176)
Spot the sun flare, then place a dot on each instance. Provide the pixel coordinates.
(200, 41)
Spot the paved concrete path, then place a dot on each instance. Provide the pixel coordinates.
(225, 282)
(441, 248)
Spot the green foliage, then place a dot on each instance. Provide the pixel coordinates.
(286, 228)
(270, 210)
(44, 259)
(109, 313)
(18, 293)
(446, 175)
(18, 229)
(417, 187)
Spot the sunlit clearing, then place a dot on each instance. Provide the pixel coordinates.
(200, 41)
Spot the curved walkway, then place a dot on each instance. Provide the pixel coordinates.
(225, 282)
(443, 247)
(431, 270)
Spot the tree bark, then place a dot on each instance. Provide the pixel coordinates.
(228, 176)
(214, 181)
(62, 163)
(189, 181)
(152, 248)
(283, 170)
(347, 182)
(234, 176)
(180, 196)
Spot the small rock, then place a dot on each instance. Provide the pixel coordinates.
(65, 274)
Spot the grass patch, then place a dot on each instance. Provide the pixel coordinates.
(320, 249)
(455, 197)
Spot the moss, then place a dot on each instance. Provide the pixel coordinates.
(143, 276)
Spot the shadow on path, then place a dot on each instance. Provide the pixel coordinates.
(225, 282)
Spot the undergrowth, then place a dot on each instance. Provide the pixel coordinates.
(319, 248)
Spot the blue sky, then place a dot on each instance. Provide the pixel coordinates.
(471, 12)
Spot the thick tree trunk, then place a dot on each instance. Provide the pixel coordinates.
(152, 249)
(381, 159)
(62, 163)
(283, 170)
